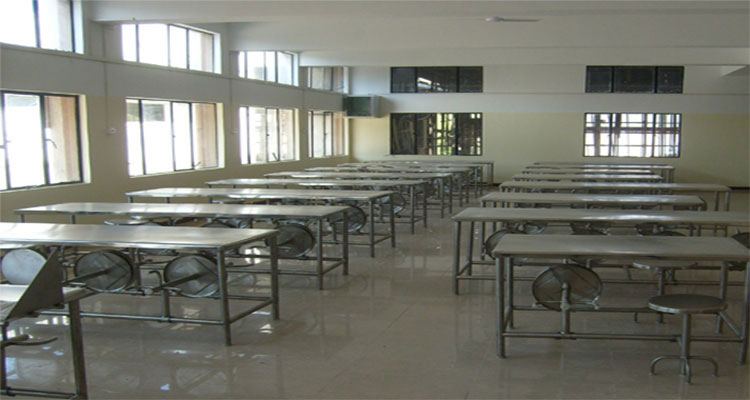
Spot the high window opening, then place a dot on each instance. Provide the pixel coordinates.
(168, 136)
(632, 135)
(40, 141)
(326, 134)
(169, 45)
(326, 78)
(46, 24)
(271, 66)
(436, 79)
(267, 134)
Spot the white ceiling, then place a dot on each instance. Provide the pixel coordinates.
(455, 32)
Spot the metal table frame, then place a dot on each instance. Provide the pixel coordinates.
(665, 170)
(589, 177)
(482, 216)
(593, 187)
(319, 214)
(355, 183)
(217, 240)
(444, 179)
(370, 196)
(489, 165)
(613, 247)
(509, 199)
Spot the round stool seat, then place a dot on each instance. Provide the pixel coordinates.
(126, 221)
(656, 264)
(686, 304)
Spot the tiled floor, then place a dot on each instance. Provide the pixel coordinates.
(391, 329)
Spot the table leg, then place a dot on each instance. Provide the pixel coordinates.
(745, 316)
(456, 254)
(319, 258)
(470, 248)
(345, 244)
(393, 224)
(500, 299)
(76, 344)
(412, 205)
(371, 209)
(224, 297)
(274, 277)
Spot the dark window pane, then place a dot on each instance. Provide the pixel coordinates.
(634, 79)
(402, 134)
(470, 79)
(598, 79)
(469, 128)
(403, 80)
(669, 79)
(437, 79)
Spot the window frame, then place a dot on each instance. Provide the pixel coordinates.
(414, 87)
(655, 88)
(38, 31)
(294, 66)
(329, 117)
(615, 131)
(142, 138)
(431, 149)
(45, 153)
(245, 136)
(187, 29)
(331, 86)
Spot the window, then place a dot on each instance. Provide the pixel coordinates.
(326, 135)
(601, 79)
(166, 136)
(168, 45)
(267, 134)
(39, 140)
(436, 79)
(46, 24)
(326, 78)
(441, 134)
(632, 135)
(272, 66)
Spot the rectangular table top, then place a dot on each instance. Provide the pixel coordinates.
(387, 168)
(237, 193)
(203, 210)
(579, 171)
(143, 236)
(695, 248)
(725, 218)
(567, 185)
(598, 177)
(583, 198)
(316, 182)
(360, 175)
(599, 165)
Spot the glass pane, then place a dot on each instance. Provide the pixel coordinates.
(270, 66)
(157, 136)
(177, 47)
(669, 79)
(204, 136)
(425, 128)
(286, 68)
(61, 137)
(470, 79)
(328, 134)
(241, 68)
(23, 132)
(403, 131)
(258, 137)
(317, 78)
(201, 51)
(598, 79)
(403, 80)
(244, 137)
(129, 49)
(55, 25)
(287, 137)
(437, 79)
(135, 149)
(317, 133)
(17, 22)
(272, 134)
(338, 79)
(3, 180)
(339, 135)
(183, 151)
(634, 79)
(256, 64)
(152, 44)
(469, 131)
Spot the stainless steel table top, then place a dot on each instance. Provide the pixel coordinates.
(597, 177)
(316, 182)
(360, 175)
(386, 168)
(562, 185)
(414, 164)
(305, 194)
(582, 198)
(578, 171)
(685, 248)
(180, 209)
(143, 236)
(484, 214)
(572, 164)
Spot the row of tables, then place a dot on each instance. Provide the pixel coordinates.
(540, 199)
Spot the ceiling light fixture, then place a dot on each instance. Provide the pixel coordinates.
(495, 18)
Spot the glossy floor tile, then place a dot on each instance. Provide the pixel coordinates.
(391, 329)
